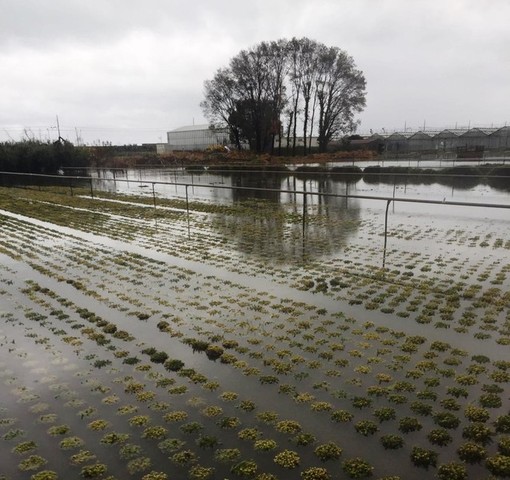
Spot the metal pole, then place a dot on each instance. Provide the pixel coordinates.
(385, 231)
(153, 195)
(304, 210)
(187, 210)
(91, 189)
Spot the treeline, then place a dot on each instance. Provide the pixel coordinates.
(33, 156)
(460, 176)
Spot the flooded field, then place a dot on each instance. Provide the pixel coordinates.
(219, 336)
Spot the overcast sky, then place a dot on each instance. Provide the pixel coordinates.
(127, 71)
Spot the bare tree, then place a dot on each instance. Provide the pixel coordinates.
(340, 94)
(251, 95)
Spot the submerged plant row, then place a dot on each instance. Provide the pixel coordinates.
(141, 352)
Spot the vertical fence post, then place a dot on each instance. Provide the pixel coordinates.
(304, 210)
(153, 195)
(385, 231)
(91, 189)
(187, 210)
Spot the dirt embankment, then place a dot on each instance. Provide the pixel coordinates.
(224, 158)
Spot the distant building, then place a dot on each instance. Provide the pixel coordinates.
(196, 137)
(447, 140)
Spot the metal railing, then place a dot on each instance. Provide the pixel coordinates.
(68, 180)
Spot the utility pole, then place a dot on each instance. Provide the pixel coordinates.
(58, 130)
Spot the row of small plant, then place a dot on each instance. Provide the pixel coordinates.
(241, 353)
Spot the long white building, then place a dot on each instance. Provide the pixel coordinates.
(196, 137)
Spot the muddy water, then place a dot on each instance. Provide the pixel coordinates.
(220, 288)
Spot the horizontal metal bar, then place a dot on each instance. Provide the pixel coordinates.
(276, 190)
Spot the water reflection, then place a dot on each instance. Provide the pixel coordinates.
(280, 225)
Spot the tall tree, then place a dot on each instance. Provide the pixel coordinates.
(250, 96)
(340, 94)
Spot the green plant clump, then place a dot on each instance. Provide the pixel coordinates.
(245, 469)
(33, 462)
(424, 458)
(287, 459)
(265, 445)
(499, 465)
(93, 471)
(315, 473)
(45, 475)
(452, 471)
(357, 468)
(392, 442)
(24, 447)
(328, 451)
